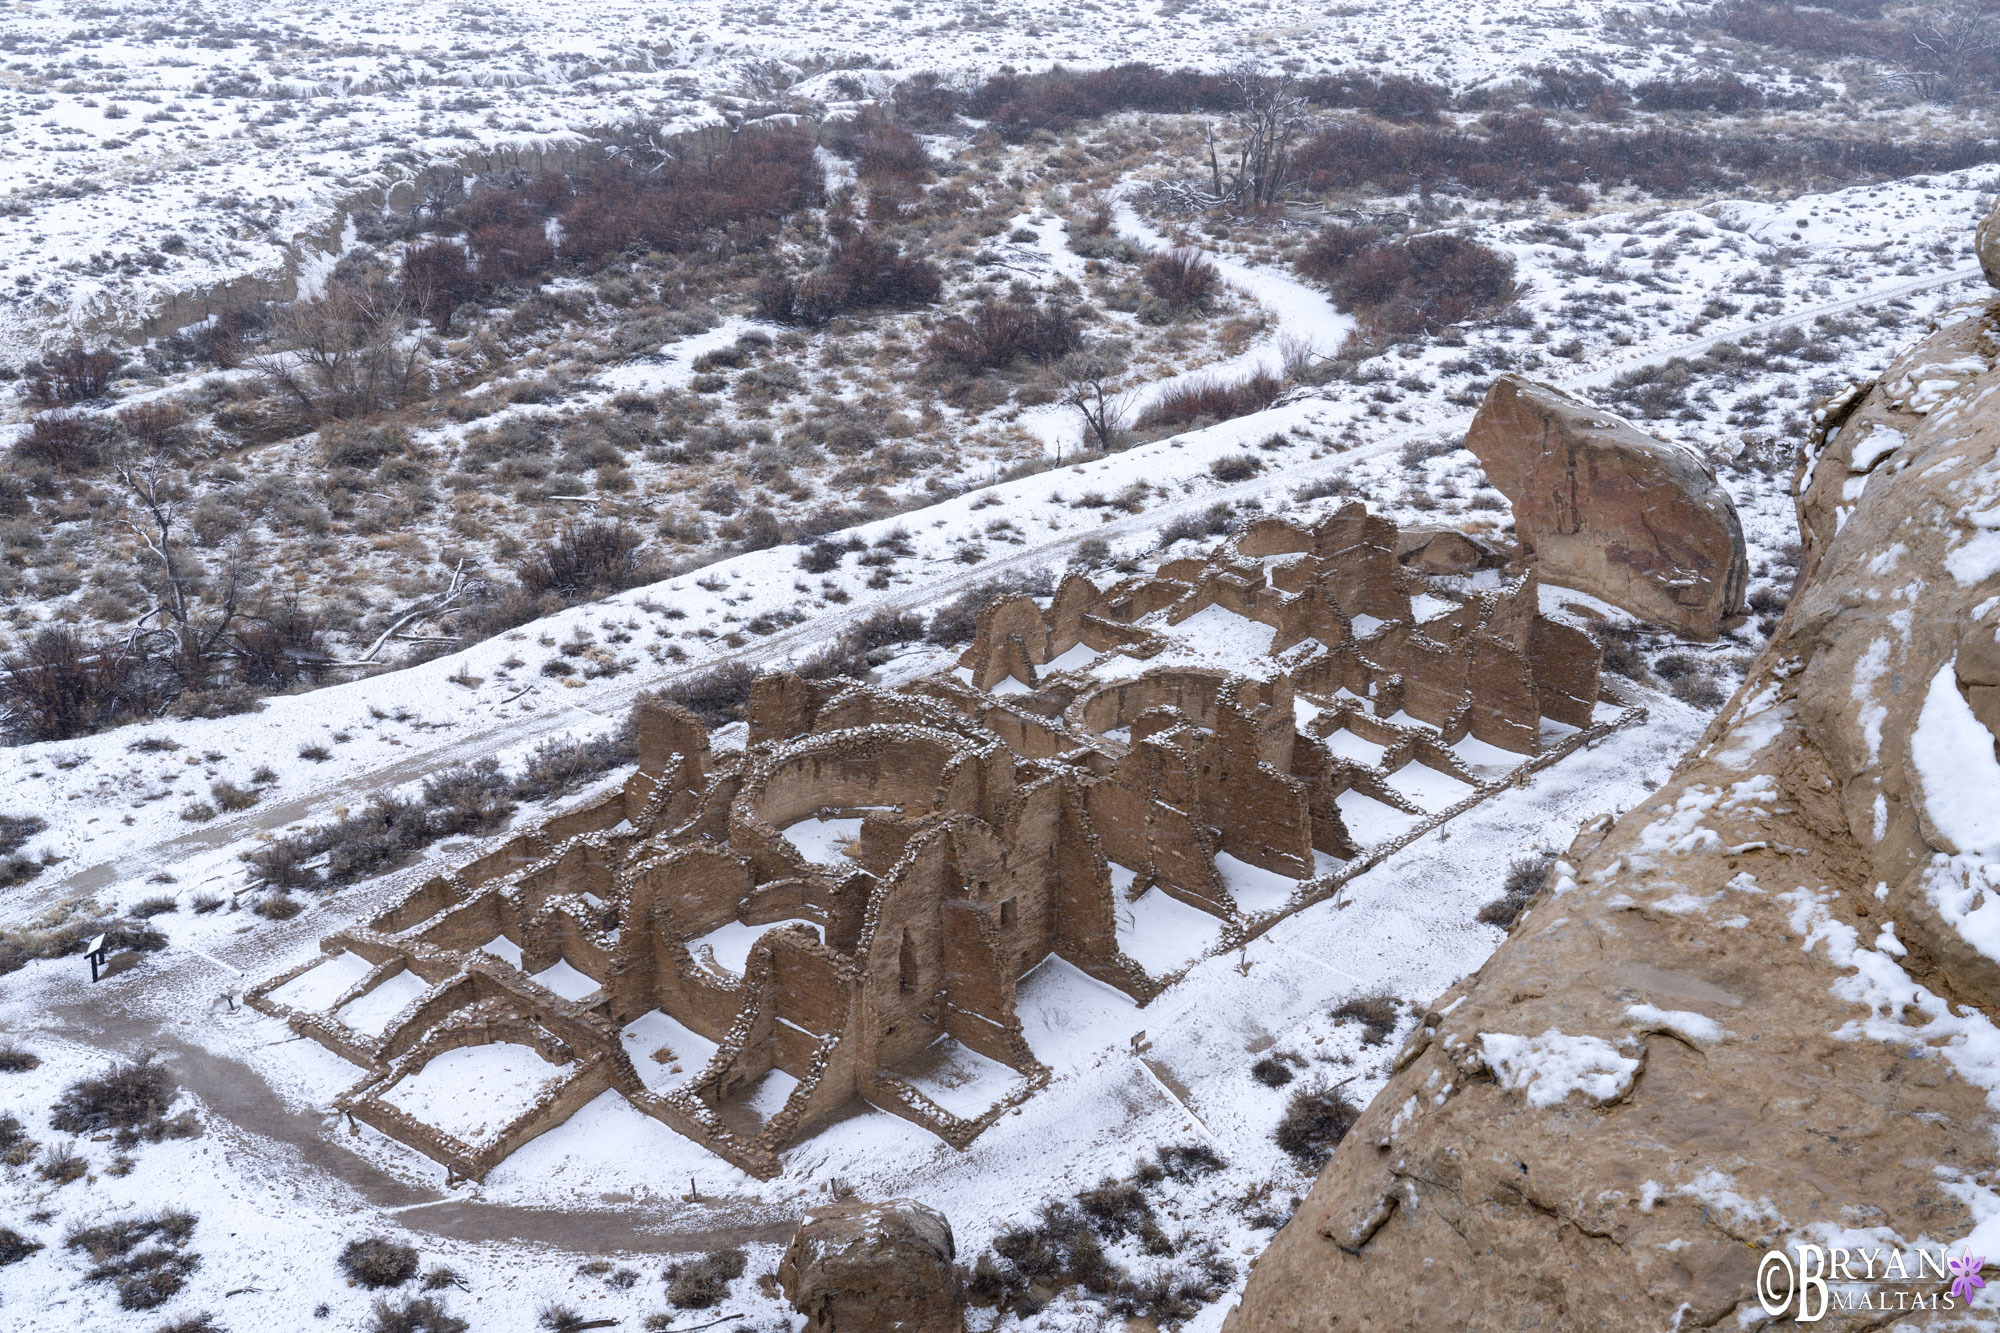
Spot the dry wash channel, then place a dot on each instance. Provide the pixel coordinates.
(855, 905)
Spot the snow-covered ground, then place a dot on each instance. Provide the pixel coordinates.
(157, 151)
(160, 149)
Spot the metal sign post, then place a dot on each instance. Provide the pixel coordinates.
(94, 951)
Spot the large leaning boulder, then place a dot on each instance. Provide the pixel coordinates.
(1986, 244)
(874, 1268)
(1607, 509)
(1761, 1009)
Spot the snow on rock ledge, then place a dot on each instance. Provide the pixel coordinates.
(1550, 1067)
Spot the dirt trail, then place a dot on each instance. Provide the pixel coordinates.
(233, 1092)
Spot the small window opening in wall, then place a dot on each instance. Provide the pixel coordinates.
(907, 964)
(1006, 911)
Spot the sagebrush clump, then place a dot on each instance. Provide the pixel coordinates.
(698, 1284)
(376, 1262)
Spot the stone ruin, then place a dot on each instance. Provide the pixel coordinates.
(744, 943)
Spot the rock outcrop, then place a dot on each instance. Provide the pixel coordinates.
(1756, 1011)
(1986, 244)
(1434, 550)
(873, 1268)
(1604, 508)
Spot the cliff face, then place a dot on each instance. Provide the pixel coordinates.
(1757, 1009)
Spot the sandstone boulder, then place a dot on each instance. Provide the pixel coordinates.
(1986, 244)
(1607, 509)
(1432, 550)
(1755, 1011)
(874, 1268)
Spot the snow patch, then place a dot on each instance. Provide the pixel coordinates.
(1550, 1067)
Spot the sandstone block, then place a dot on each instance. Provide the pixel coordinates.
(874, 1268)
(1607, 509)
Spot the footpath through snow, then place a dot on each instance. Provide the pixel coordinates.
(1305, 322)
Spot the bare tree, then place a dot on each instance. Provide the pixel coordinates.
(346, 353)
(1269, 120)
(1087, 381)
(192, 617)
(1948, 41)
(428, 607)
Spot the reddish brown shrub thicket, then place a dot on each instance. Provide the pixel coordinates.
(515, 232)
(1000, 332)
(1213, 400)
(73, 376)
(879, 147)
(58, 687)
(1517, 155)
(862, 271)
(65, 440)
(1183, 278)
(438, 278)
(1403, 286)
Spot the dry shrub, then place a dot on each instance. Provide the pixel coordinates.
(1205, 399)
(62, 932)
(675, 202)
(998, 333)
(862, 271)
(343, 354)
(584, 560)
(469, 799)
(1064, 1250)
(14, 1247)
(1272, 1072)
(1722, 93)
(15, 830)
(700, 1284)
(1183, 278)
(74, 375)
(59, 687)
(1524, 880)
(558, 767)
(194, 1323)
(155, 428)
(415, 1314)
(64, 440)
(1235, 467)
(1016, 105)
(62, 1164)
(878, 146)
(146, 1278)
(282, 645)
(1376, 1014)
(132, 1100)
(376, 1262)
(716, 695)
(1401, 287)
(1316, 1119)
(1517, 156)
(438, 278)
(14, 1060)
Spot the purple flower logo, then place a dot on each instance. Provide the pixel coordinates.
(1965, 1274)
